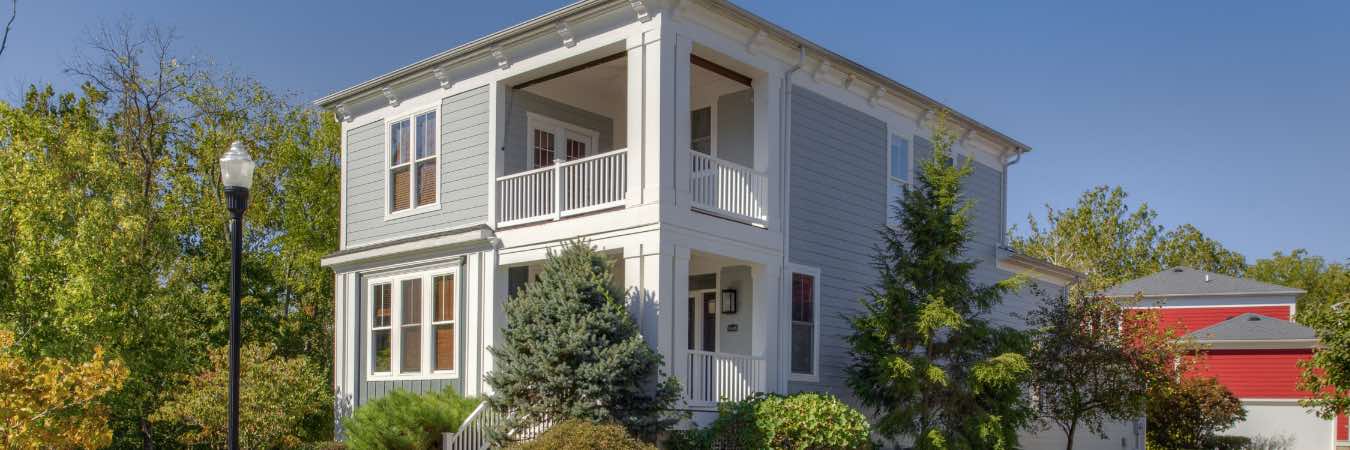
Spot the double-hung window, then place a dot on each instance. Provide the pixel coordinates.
(412, 331)
(412, 162)
(805, 313)
(897, 171)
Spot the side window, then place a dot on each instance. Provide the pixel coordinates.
(805, 311)
(700, 130)
(899, 161)
(412, 331)
(412, 162)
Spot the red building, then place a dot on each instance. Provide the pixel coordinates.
(1252, 344)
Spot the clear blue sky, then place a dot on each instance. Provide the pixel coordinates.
(1230, 115)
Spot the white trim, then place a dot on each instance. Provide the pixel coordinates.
(908, 181)
(560, 129)
(789, 270)
(1216, 294)
(395, 282)
(410, 116)
(1166, 306)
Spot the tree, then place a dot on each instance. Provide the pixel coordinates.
(572, 351)
(1190, 414)
(926, 357)
(1103, 238)
(53, 403)
(1094, 361)
(13, 13)
(284, 401)
(1326, 308)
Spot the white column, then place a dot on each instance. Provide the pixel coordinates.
(496, 113)
(355, 361)
(769, 336)
(473, 301)
(768, 149)
(657, 121)
(679, 101)
(637, 155)
(677, 316)
(492, 315)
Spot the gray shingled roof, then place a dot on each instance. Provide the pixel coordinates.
(1189, 281)
(1252, 326)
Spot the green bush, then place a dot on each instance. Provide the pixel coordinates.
(582, 435)
(406, 421)
(805, 420)
(1226, 442)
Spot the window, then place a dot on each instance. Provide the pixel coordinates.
(546, 134)
(412, 325)
(700, 130)
(412, 162)
(898, 173)
(805, 309)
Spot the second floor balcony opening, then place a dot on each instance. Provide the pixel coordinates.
(565, 138)
(723, 180)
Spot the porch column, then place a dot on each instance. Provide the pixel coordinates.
(768, 338)
(679, 107)
(679, 313)
(492, 313)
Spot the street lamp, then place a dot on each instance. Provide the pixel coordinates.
(236, 173)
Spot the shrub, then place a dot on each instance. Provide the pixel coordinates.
(583, 435)
(1225, 442)
(1189, 413)
(403, 421)
(572, 351)
(283, 402)
(805, 420)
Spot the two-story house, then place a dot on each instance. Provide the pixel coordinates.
(736, 172)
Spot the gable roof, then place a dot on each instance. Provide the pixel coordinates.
(1187, 281)
(1252, 326)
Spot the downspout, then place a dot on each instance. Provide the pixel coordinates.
(1017, 156)
(785, 141)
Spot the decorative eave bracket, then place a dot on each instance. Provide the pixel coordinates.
(752, 46)
(500, 55)
(389, 95)
(565, 32)
(641, 9)
(877, 95)
(442, 77)
(343, 114)
(822, 70)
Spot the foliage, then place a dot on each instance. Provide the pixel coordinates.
(1326, 308)
(1190, 413)
(283, 401)
(1226, 442)
(1277, 442)
(805, 420)
(1110, 243)
(406, 421)
(583, 435)
(53, 403)
(926, 357)
(115, 225)
(572, 351)
(1095, 360)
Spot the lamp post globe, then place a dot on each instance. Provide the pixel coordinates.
(236, 173)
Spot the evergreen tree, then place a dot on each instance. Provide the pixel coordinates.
(572, 351)
(926, 357)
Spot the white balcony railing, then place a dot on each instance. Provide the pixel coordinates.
(729, 189)
(563, 189)
(712, 377)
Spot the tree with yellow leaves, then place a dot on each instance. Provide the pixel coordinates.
(52, 403)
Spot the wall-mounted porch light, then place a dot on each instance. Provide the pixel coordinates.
(729, 301)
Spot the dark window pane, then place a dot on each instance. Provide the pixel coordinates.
(543, 148)
(412, 349)
(398, 189)
(899, 158)
(445, 346)
(380, 303)
(700, 130)
(398, 142)
(426, 182)
(516, 277)
(380, 350)
(802, 347)
(426, 135)
(803, 293)
(444, 298)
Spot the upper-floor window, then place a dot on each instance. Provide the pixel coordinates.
(412, 325)
(551, 139)
(898, 172)
(805, 307)
(413, 161)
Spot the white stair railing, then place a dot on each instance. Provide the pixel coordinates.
(475, 434)
(712, 377)
(563, 189)
(729, 189)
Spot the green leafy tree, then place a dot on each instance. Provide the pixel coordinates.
(572, 351)
(1326, 308)
(926, 357)
(53, 403)
(284, 401)
(1109, 242)
(1093, 361)
(1190, 414)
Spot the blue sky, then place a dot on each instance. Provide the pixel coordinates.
(1233, 116)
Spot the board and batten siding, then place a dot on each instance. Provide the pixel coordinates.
(838, 197)
(463, 174)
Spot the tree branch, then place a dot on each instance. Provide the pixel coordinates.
(14, 12)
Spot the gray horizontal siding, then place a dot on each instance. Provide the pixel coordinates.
(463, 176)
(838, 189)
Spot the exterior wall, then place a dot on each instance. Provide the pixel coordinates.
(1257, 373)
(1274, 419)
(736, 128)
(515, 158)
(740, 341)
(1191, 319)
(463, 175)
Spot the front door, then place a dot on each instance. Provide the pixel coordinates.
(702, 327)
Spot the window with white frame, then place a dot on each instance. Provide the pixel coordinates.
(412, 330)
(899, 160)
(551, 139)
(413, 162)
(805, 311)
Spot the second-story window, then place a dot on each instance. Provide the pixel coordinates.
(898, 173)
(552, 139)
(412, 162)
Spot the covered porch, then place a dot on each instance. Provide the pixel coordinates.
(720, 352)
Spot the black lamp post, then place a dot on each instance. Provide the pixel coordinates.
(236, 173)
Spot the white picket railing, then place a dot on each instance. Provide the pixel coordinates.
(712, 377)
(729, 189)
(563, 189)
(474, 433)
